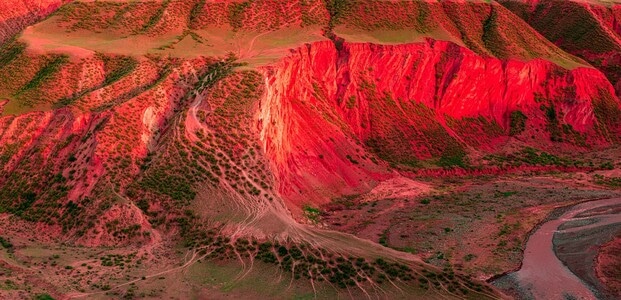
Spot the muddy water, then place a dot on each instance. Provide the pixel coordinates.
(543, 275)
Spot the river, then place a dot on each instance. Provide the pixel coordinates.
(542, 274)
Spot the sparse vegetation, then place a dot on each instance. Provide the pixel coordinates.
(197, 9)
(517, 123)
(608, 113)
(52, 66)
(614, 182)
(131, 154)
(553, 123)
(156, 17)
(10, 51)
(337, 8)
(312, 213)
(306, 262)
(236, 14)
(5, 243)
(533, 157)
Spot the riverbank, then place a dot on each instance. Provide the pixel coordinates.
(559, 255)
(608, 266)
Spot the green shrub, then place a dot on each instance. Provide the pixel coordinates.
(47, 72)
(236, 14)
(155, 18)
(311, 213)
(43, 297)
(6, 243)
(517, 123)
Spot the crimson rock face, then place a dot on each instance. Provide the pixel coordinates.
(248, 129)
(321, 99)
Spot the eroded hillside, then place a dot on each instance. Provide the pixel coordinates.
(210, 136)
(589, 30)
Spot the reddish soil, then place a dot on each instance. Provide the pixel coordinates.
(324, 100)
(184, 131)
(608, 266)
(480, 227)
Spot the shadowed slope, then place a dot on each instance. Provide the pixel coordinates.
(588, 29)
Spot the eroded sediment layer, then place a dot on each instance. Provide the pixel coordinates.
(329, 109)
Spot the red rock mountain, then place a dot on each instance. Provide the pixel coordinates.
(126, 123)
(327, 107)
(332, 117)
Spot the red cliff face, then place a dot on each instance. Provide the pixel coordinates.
(335, 118)
(457, 82)
(16, 15)
(303, 132)
(327, 109)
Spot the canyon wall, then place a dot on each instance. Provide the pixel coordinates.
(331, 110)
(336, 117)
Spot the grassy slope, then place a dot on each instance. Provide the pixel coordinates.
(244, 30)
(82, 28)
(480, 26)
(585, 30)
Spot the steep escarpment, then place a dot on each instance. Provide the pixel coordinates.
(336, 118)
(331, 113)
(449, 79)
(303, 133)
(15, 15)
